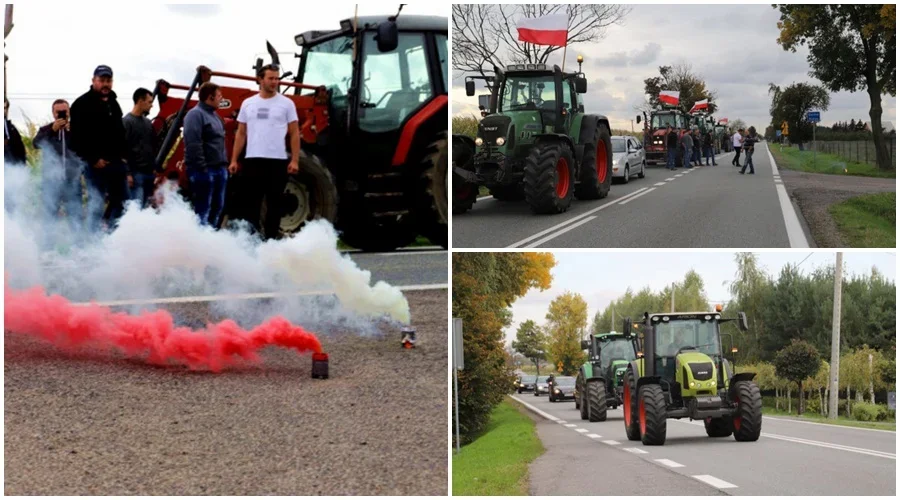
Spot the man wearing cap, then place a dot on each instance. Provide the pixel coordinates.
(98, 138)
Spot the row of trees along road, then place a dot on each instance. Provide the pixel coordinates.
(852, 47)
(484, 287)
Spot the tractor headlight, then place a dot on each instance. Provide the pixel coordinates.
(501, 141)
(479, 141)
(692, 384)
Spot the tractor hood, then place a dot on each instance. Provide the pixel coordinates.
(617, 369)
(493, 127)
(697, 369)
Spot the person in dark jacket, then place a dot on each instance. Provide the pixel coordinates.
(709, 148)
(749, 141)
(204, 155)
(687, 142)
(61, 169)
(695, 135)
(141, 147)
(13, 147)
(671, 147)
(98, 137)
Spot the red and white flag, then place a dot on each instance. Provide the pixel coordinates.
(547, 30)
(723, 120)
(704, 104)
(669, 97)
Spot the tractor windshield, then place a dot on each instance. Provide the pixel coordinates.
(330, 64)
(528, 93)
(664, 120)
(678, 333)
(616, 349)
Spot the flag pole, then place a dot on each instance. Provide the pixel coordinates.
(564, 55)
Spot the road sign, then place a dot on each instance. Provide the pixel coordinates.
(784, 127)
(892, 400)
(777, 133)
(458, 361)
(813, 116)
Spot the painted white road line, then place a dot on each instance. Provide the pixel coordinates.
(539, 412)
(714, 481)
(570, 425)
(561, 422)
(569, 221)
(582, 431)
(638, 196)
(612, 443)
(660, 184)
(595, 436)
(670, 179)
(796, 237)
(826, 425)
(562, 231)
(636, 450)
(668, 463)
(678, 175)
(852, 449)
(484, 198)
(239, 296)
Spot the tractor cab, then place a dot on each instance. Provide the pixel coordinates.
(611, 352)
(599, 382)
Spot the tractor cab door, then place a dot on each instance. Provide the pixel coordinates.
(570, 102)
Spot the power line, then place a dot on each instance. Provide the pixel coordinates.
(804, 260)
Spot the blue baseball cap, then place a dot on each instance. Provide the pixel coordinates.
(103, 70)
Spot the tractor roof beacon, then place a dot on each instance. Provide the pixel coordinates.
(681, 372)
(599, 382)
(372, 102)
(535, 142)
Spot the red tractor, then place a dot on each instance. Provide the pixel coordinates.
(655, 134)
(372, 102)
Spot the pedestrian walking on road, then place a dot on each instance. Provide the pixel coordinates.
(736, 141)
(204, 155)
(708, 148)
(749, 141)
(671, 147)
(688, 144)
(141, 149)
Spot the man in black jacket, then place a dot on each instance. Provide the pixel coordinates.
(60, 168)
(13, 147)
(98, 137)
(671, 147)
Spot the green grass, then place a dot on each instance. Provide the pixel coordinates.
(867, 221)
(841, 420)
(497, 462)
(790, 157)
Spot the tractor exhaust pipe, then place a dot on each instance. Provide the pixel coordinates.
(170, 135)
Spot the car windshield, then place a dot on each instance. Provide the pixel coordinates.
(528, 92)
(616, 349)
(565, 381)
(678, 333)
(528, 379)
(618, 145)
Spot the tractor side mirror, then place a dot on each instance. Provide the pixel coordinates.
(626, 326)
(470, 88)
(387, 36)
(580, 85)
(484, 101)
(585, 345)
(742, 322)
(637, 119)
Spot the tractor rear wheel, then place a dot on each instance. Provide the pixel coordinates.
(438, 175)
(629, 406)
(596, 401)
(718, 427)
(652, 415)
(309, 194)
(514, 192)
(549, 177)
(747, 419)
(433, 212)
(595, 173)
(464, 192)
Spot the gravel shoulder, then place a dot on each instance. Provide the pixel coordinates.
(92, 423)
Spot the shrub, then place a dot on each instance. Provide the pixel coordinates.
(812, 404)
(865, 412)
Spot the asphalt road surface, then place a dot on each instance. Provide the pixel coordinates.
(405, 268)
(93, 423)
(790, 458)
(703, 207)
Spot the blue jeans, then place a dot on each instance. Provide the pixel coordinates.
(696, 156)
(687, 157)
(208, 193)
(107, 191)
(670, 160)
(143, 188)
(748, 161)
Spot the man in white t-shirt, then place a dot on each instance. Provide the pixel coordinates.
(736, 141)
(263, 123)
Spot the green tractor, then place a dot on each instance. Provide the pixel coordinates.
(598, 385)
(534, 142)
(687, 376)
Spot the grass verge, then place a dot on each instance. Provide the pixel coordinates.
(841, 420)
(496, 463)
(790, 157)
(867, 221)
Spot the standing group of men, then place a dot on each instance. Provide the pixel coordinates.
(740, 140)
(692, 143)
(117, 155)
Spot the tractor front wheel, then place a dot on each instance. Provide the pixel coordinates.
(718, 427)
(549, 177)
(747, 419)
(652, 415)
(595, 173)
(464, 192)
(596, 401)
(629, 406)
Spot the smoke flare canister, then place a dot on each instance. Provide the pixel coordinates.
(408, 339)
(319, 365)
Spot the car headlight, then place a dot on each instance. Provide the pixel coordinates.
(521, 385)
(479, 141)
(501, 141)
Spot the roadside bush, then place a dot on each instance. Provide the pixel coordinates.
(812, 405)
(865, 412)
(465, 125)
(884, 414)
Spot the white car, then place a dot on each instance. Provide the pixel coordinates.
(628, 158)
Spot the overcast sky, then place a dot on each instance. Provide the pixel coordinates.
(732, 46)
(603, 277)
(52, 55)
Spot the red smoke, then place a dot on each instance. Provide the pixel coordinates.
(154, 334)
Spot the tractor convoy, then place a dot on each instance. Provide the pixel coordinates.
(372, 102)
(669, 365)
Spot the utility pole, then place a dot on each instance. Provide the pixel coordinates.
(836, 340)
(612, 321)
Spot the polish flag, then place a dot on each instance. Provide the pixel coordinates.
(547, 30)
(669, 97)
(723, 120)
(704, 104)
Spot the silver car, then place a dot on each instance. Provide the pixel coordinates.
(628, 158)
